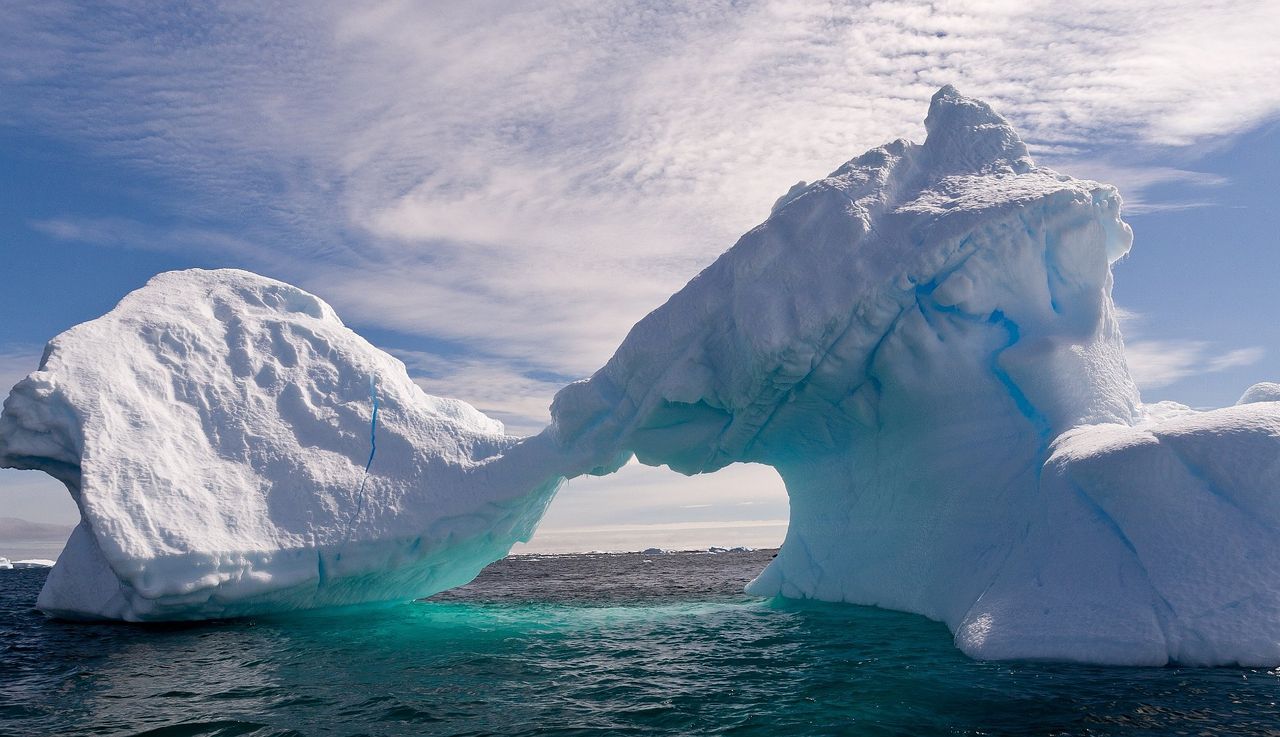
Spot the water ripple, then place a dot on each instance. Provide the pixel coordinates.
(583, 645)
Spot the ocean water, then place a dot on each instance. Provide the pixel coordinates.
(24, 549)
(583, 645)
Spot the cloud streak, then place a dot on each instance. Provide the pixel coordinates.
(1156, 364)
(533, 180)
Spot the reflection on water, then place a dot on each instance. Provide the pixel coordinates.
(623, 644)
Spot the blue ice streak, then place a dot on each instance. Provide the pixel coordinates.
(373, 429)
(373, 449)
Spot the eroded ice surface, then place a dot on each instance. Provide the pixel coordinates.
(924, 345)
(214, 429)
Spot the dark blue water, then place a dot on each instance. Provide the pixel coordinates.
(578, 645)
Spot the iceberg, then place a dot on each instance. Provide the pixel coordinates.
(924, 345)
(234, 449)
(32, 563)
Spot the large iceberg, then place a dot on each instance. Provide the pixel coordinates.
(924, 346)
(217, 430)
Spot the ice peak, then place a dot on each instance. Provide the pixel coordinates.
(967, 136)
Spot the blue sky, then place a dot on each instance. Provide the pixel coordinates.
(495, 192)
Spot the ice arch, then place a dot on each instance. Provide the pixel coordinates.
(923, 345)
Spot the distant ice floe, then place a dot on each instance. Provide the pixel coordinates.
(8, 565)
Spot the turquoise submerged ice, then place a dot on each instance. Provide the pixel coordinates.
(923, 344)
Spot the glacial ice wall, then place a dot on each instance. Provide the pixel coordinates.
(214, 430)
(924, 346)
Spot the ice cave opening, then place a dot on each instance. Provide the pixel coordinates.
(650, 507)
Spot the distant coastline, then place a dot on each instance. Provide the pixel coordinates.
(14, 528)
(22, 539)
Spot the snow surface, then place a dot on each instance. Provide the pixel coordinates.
(924, 345)
(214, 430)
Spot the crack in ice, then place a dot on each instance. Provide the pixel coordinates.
(373, 450)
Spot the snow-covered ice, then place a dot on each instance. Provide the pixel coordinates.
(1265, 391)
(925, 347)
(214, 430)
(923, 344)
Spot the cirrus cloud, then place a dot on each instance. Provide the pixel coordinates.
(525, 181)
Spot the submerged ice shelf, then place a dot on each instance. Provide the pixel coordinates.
(923, 344)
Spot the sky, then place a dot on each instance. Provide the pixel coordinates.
(495, 191)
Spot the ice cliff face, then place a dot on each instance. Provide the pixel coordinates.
(214, 429)
(924, 346)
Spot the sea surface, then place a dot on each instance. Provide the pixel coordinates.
(26, 549)
(626, 644)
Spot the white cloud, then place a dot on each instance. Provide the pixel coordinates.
(126, 233)
(1136, 180)
(1158, 363)
(641, 507)
(521, 401)
(532, 179)
(644, 494)
(16, 361)
(1237, 357)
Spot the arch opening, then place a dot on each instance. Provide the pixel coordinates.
(643, 507)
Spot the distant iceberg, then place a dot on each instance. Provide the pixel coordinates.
(9, 565)
(923, 344)
(33, 563)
